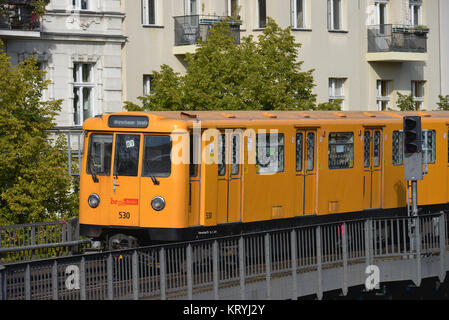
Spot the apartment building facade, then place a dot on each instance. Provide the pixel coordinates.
(363, 51)
(79, 44)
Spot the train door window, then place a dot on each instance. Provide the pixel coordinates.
(127, 148)
(377, 148)
(222, 155)
(341, 150)
(299, 151)
(156, 156)
(397, 148)
(100, 154)
(366, 149)
(235, 158)
(270, 153)
(310, 151)
(193, 161)
(428, 146)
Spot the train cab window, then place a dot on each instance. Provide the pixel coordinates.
(100, 154)
(398, 156)
(341, 150)
(222, 155)
(127, 148)
(156, 156)
(428, 146)
(270, 153)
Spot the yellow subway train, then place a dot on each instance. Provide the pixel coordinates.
(151, 177)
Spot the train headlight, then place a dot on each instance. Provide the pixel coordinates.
(158, 203)
(93, 200)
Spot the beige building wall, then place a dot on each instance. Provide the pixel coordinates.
(341, 53)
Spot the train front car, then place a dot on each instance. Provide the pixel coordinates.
(131, 192)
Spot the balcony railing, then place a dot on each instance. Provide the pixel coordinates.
(19, 15)
(400, 38)
(189, 29)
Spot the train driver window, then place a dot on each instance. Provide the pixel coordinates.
(100, 154)
(270, 153)
(156, 156)
(341, 150)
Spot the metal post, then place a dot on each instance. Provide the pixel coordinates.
(110, 276)
(294, 263)
(54, 279)
(319, 262)
(345, 259)
(442, 230)
(135, 270)
(69, 151)
(83, 279)
(418, 250)
(368, 238)
(28, 282)
(242, 267)
(189, 272)
(268, 265)
(162, 273)
(215, 268)
(2, 283)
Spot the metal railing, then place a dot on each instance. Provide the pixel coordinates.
(206, 269)
(389, 37)
(24, 242)
(189, 29)
(19, 15)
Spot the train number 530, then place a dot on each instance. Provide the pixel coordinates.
(124, 215)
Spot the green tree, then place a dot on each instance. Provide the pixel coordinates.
(34, 182)
(443, 104)
(405, 102)
(221, 75)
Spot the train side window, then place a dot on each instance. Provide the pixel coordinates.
(100, 154)
(398, 155)
(299, 147)
(367, 149)
(156, 156)
(127, 148)
(270, 153)
(193, 164)
(377, 148)
(341, 150)
(310, 151)
(222, 155)
(428, 146)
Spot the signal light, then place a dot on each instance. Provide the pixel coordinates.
(412, 134)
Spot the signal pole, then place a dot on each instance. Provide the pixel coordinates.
(412, 167)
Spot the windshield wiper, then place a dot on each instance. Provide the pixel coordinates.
(153, 178)
(90, 162)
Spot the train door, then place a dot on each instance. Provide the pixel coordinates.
(229, 176)
(126, 180)
(194, 180)
(372, 176)
(306, 170)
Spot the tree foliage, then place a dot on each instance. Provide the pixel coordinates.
(405, 102)
(222, 75)
(443, 104)
(34, 182)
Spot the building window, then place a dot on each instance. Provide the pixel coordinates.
(149, 12)
(262, 7)
(298, 18)
(336, 90)
(381, 12)
(80, 4)
(418, 93)
(415, 12)
(334, 14)
(233, 8)
(191, 7)
(270, 153)
(147, 83)
(82, 92)
(383, 94)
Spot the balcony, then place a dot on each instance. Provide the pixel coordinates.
(190, 29)
(17, 19)
(396, 43)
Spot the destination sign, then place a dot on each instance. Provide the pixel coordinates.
(128, 121)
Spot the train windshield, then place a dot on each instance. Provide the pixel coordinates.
(126, 161)
(99, 154)
(156, 158)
